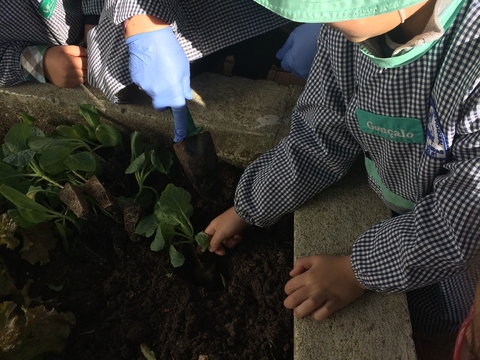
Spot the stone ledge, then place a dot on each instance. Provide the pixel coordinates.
(376, 326)
(245, 117)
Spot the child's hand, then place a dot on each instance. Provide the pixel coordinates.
(66, 65)
(225, 229)
(321, 285)
(159, 66)
(299, 50)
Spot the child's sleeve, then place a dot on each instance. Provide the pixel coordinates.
(92, 7)
(440, 237)
(120, 10)
(20, 63)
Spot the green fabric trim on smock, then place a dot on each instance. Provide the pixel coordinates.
(327, 11)
(397, 129)
(388, 195)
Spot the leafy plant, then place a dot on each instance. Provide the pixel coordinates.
(35, 167)
(28, 332)
(145, 159)
(171, 225)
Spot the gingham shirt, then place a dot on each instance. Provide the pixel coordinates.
(22, 28)
(201, 27)
(440, 238)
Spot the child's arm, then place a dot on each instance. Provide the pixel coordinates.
(64, 66)
(11, 72)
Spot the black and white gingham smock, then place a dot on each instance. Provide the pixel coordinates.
(22, 25)
(430, 247)
(201, 27)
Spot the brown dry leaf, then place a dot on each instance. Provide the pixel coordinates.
(39, 331)
(37, 242)
(7, 232)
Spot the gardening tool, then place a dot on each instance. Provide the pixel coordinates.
(197, 155)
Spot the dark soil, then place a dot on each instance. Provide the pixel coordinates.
(123, 294)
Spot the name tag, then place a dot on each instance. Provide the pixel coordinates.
(398, 129)
(46, 8)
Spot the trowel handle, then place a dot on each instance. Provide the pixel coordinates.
(192, 129)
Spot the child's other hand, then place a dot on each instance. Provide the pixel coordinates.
(225, 230)
(66, 65)
(321, 285)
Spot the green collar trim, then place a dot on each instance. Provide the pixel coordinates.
(446, 18)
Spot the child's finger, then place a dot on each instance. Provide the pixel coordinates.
(74, 50)
(230, 243)
(315, 302)
(324, 311)
(301, 265)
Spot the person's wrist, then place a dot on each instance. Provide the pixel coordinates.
(138, 24)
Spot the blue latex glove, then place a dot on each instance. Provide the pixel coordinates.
(297, 53)
(160, 67)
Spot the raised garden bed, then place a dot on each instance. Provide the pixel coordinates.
(125, 297)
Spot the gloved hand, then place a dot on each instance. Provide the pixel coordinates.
(297, 53)
(160, 67)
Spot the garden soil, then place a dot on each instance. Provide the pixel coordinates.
(124, 296)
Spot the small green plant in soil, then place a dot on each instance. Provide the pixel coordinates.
(35, 169)
(145, 159)
(171, 226)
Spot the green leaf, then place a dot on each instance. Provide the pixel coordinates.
(67, 131)
(165, 233)
(108, 135)
(91, 132)
(34, 216)
(156, 163)
(158, 242)
(166, 158)
(90, 113)
(28, 119)
(81, 131)
(147, 226)
(21, 158)
(175, 201)
(19, 219)
(136, 164)
(7, 172)
(83, 161)
(137, 145)
(177, 259)
(16, 138)
(203, 240)
(21, 201)
(52, 159)
(40, 144)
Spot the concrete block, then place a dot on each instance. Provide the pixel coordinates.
(245, 117)
(376, 326)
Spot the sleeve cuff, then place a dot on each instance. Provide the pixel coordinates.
(31, 61)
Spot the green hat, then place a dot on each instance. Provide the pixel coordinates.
(327, 11)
